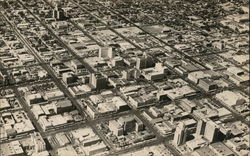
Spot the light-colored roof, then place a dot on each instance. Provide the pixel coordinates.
(4, 103)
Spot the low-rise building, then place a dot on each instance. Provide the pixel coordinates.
(34, 98)
(237, 75)
(221, 149)
(230, 98)
(4, 104)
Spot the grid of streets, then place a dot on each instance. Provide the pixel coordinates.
(117, 77)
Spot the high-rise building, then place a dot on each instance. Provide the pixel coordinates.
(116, 128)
(127, 74)
(211, 131)
(58, 13)
(2, 78)
(200, 130)
(76, 65)
(139, 126)
(39, 144)
(98, 81)
(106, 52)
(125, 125)
(128, 123)
(144, 62)
(180, 134)
(69, 78)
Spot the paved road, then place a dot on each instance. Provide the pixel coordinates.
(186, 56)
(60, 85)
(72, 51)
(150, 34)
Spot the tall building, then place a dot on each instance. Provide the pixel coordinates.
(211, 131)
(125, 125)
(58, 13)
(200, 130)
(98, 81)
(106, 52)
(76, 65)
(128, 123)
(144, 62)
(180, 134)
(127, 74)
(39, 144)
(116, 128)
(69, 78)
(2, 78)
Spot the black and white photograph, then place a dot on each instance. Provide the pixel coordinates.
(124, 78)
